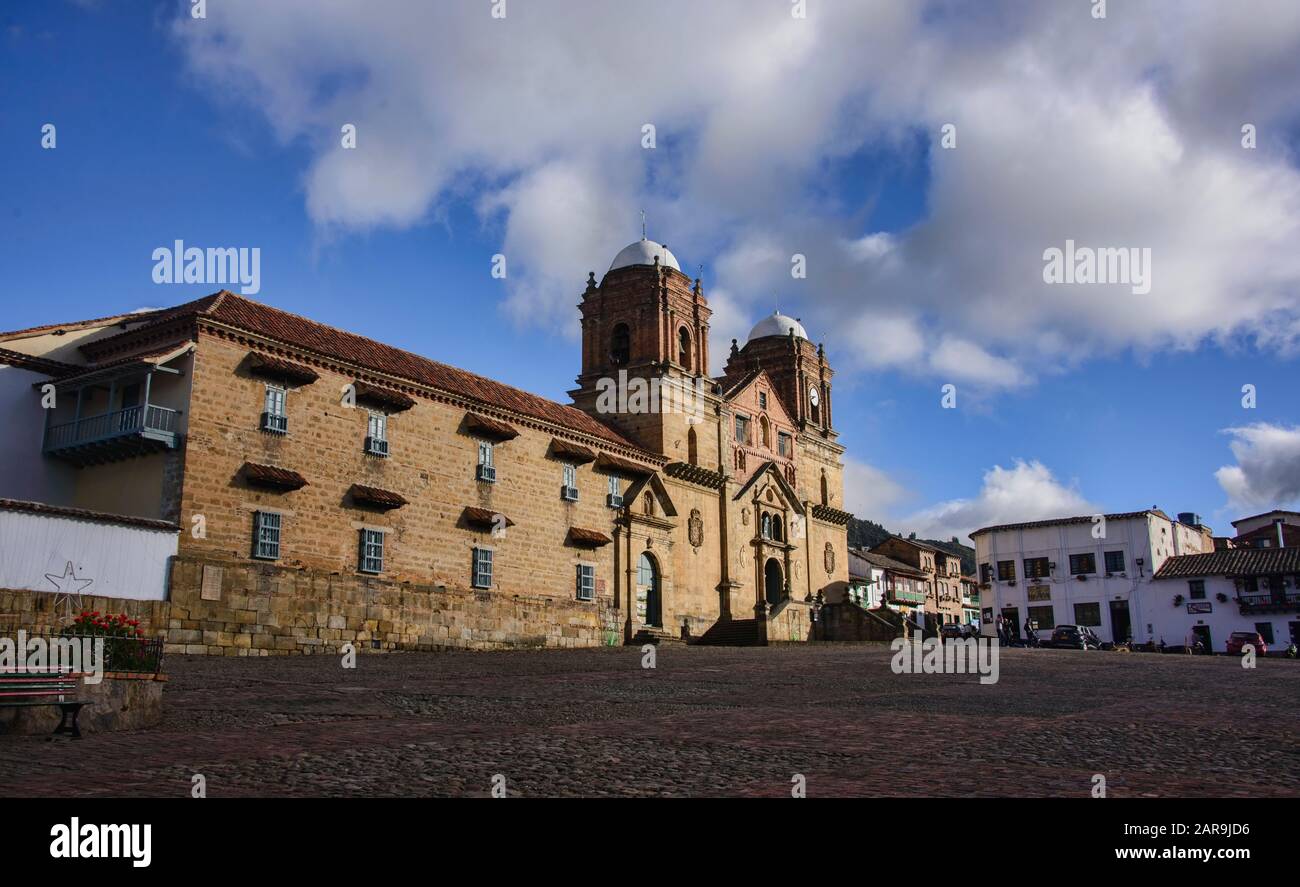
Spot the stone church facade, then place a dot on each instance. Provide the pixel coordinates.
(329, 489)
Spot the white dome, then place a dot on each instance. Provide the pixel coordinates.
(777, 324)
(643, 252)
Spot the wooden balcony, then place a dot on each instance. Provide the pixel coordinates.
(111, 437)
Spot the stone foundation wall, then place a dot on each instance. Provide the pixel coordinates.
(35, 612)
(234, 608)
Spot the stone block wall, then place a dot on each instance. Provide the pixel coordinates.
(234, 608)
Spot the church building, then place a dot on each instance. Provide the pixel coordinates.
(324, 488)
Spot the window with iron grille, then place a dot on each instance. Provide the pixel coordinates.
(482, 568)
(273, 414)
(1037, 568)
(486, 470)
(1006, 571)
(586, 582)
(372, 551)
(377, 434)
(614, 498)
(266, 535)
(1196, 589)
(986, 574)
(1083, 563)
(783, 444)
(1044, 616)
(1087, 614)
(569, 483)
(1115, 562)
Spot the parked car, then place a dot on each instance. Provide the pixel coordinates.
(954, 630)
(1073, 637)
(1239, 638)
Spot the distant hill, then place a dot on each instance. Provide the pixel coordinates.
(867, 534)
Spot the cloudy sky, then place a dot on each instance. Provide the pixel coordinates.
(774, 135)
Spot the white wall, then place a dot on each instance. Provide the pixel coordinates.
(1139, 537)
(24, 472)
(121, 561)
(1172, 623)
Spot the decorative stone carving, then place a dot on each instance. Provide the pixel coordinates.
(830, 559)
(695, 528)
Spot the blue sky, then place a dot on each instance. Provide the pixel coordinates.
(226, 139)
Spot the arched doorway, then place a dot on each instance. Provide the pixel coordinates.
(773, 582)
(648, 602)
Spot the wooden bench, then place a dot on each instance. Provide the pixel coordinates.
(19, 689)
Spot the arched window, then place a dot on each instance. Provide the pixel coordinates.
(684, 347)
(765, 431)
(692, 448)
(777, 532)
(825, 490)
(620, 345)
(740, 459)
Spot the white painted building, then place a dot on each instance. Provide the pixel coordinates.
(74, 553)
(1209, 596)
(1092, 570)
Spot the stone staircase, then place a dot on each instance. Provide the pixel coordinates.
(654, 636)
(734, 633)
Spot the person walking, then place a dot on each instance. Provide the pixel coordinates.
(1031, 639)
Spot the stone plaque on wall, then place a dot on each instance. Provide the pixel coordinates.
(210, 590)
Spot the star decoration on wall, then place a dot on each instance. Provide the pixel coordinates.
(68, 589)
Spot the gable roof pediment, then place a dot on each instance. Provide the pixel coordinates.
(767, 476)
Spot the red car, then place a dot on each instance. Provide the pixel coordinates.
(1238, 638)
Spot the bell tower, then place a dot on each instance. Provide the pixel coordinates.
(798, 368)
(644, 320)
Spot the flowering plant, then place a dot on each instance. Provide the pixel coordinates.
(125, 648)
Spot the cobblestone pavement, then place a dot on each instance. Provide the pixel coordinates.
(706, 721)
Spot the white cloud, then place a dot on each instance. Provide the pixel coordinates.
(1122, 132)
(1025, 492)
(869, 492)
(1267, 473)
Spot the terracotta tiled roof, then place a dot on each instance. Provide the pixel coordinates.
(886, 563)
(571, 452)
(831, 515)
(151, 358)
(271, 476)
(593, 538)
(236, 311)
(1232, 562)
(385, 397)
(101, 517)
(135, 317)
(1242, 520)
(36, 364)
(484, 517)
(276, 368)
(1080, 519)
(377, 497)
(695, 474)
(476, 424)
(622, 466)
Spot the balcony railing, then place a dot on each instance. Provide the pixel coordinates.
(143, 421)
(1269, 602)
